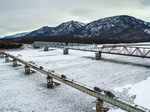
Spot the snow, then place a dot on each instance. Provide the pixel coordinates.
(79, 64)
(141, 90)
(147, 31)
(69, 26)
(20, 93)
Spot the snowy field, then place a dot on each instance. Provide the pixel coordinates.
(20, 93)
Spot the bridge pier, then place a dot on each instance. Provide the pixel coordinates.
(99, 106)
(15, 63)
(65, 51)
(27, 70)
(6, 59)
(1, 55)
(50, 82)
(98, 55)
(46, 48)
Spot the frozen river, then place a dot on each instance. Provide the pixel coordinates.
(20, 93)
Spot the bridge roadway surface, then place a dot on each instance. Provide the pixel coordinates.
(114, 101)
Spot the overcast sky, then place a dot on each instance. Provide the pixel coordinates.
(27, 15)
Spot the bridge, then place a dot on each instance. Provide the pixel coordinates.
(135, 50)
(101, 95)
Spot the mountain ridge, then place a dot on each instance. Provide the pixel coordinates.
(115, 29)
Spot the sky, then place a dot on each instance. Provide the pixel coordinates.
(26, 15)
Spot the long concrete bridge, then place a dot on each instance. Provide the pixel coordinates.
(101, 95)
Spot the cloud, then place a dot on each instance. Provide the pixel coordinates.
(24, 15)
(146, 2)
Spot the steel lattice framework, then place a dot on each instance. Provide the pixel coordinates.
(135, 51)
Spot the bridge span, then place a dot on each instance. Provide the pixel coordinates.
(134, 50)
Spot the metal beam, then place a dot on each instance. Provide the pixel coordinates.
(124, 51)
(135, 49)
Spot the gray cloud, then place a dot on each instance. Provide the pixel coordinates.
(26, 15)
(146, 2)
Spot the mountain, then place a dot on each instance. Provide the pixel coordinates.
(44, 31)
(59, 33)
(67, 28)
(16, 35)
(116, 29)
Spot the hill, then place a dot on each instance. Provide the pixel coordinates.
(116, 29)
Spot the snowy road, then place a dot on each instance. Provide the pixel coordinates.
(20, 93)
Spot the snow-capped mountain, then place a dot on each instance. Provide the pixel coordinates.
(44, 31)
(116, 29)
(69, 28)
(115, 24)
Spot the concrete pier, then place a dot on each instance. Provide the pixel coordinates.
(98, 55)
(15, 63)
(99, 106)
(2, 55)
(65, 51)
(27, 70)
(46, 48)
(6, 59)
(50, 83)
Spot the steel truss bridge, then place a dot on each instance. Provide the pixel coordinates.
(134, 50)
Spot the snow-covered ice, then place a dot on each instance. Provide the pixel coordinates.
(141, 90)
(20, 93)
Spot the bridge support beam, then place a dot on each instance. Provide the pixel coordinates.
(1, 55)
(99, 106)
(15, 63)
(50, 82)
(46, 48)
(6, 59)
(65, 51)
(98, 55)
(27, 70)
